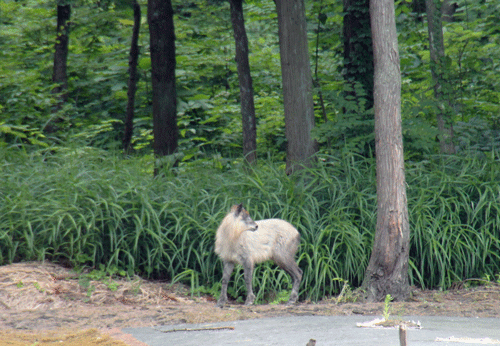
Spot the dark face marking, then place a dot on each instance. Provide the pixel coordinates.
(252, 226)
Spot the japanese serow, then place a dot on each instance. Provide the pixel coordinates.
(240, 239)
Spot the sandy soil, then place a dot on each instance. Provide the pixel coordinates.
(44, 303)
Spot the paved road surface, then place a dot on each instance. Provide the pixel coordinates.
(326, 330)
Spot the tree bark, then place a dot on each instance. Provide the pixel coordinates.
(162, 47)
(246, 88)
(59, 74)
(297, 84)
(437, 63)
(132, 81)
(387, 271)
(448, 9)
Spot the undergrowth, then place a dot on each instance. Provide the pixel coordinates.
(87, 207)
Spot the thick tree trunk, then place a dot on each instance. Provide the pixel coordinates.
(132, 80)
(246, 88)
(441, 85)
(162, 46)
(59, 75)
(297, 83)
(387, 271)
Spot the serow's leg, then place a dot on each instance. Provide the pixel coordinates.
(228, 270)
(296, 274)
(248, 271)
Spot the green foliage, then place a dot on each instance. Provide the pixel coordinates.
(208, 112)
(454, 216)
(67, 196)
(87, 207)
(353, 129)
(97, 72)
(37, 286)
(470, 69)
(387, 307)
(103, 274)
(281, 298)
(346, 294)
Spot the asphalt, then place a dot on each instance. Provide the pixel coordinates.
(326, 330)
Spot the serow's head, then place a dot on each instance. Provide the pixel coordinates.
(242, 216)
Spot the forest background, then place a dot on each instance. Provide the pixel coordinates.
(70, 194)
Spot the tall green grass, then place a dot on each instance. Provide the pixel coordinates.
(454, 206)
(88, 207)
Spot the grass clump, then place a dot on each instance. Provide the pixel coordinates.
(87, 207)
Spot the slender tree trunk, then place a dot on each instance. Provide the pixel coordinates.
(132, 80)
(162, 46)
(316, 83)
(246, 88)
(59, 75)
(358, 50)
(297, 83)
(418, 7)
(441, 85)
(387, 271)
(448, 9)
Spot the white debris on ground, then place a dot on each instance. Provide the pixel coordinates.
(484, 341)
(394, 324)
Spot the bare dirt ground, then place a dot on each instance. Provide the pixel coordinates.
(44, 304)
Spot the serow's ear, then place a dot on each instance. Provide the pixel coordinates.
(239, 209)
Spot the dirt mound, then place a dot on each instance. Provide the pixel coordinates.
(47, 286)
